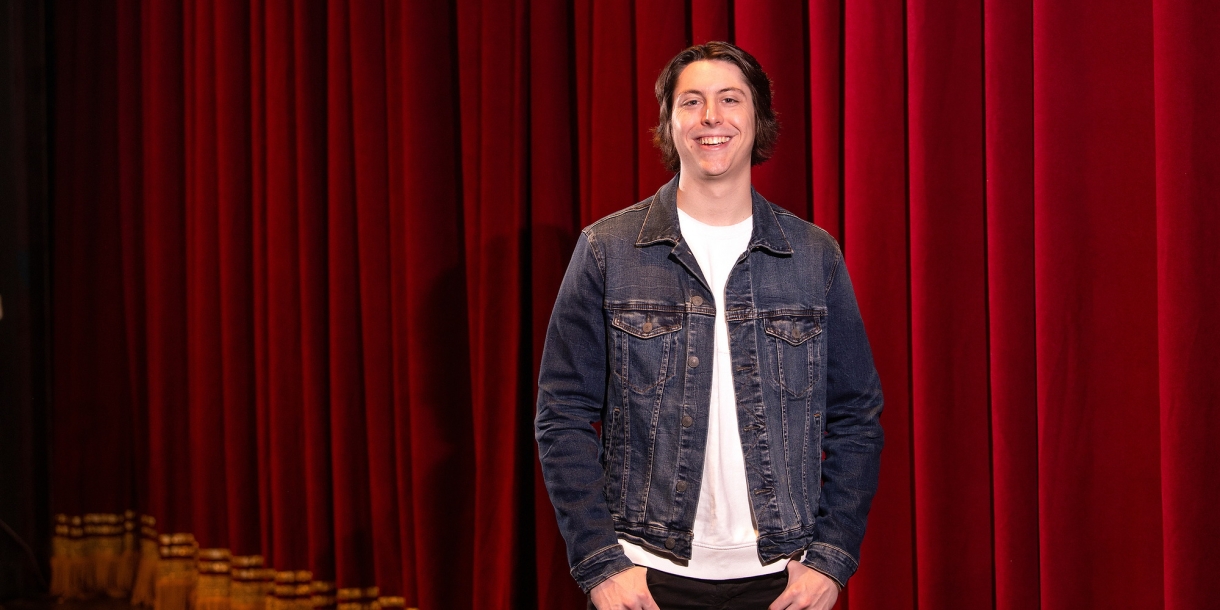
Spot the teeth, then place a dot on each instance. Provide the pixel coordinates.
(714, 141)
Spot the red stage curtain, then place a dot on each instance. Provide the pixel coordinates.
(304, 254)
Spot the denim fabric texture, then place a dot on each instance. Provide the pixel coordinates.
(630, 345)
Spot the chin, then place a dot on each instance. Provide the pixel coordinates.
(716, 172)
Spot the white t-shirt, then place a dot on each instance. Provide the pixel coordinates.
(725, 541)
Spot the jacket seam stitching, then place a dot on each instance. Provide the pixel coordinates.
(593, 556)
(834, 274)
(639, 206)
(853, 561)
(597, 258)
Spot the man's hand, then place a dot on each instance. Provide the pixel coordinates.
(627, 590)
(807, 589)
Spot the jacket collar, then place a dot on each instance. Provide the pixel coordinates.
(661, 223)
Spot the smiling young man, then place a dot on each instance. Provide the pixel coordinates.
(716, 338)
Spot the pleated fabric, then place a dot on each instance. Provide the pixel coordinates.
(304, 254)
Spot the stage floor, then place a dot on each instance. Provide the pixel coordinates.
(47, 602)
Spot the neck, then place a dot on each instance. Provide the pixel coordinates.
(717, 202)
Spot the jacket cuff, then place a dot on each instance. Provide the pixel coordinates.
(599, 566)
(831, 561)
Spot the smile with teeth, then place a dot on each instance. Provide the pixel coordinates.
(713, 140)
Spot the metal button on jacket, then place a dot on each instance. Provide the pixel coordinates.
(687, 421)
(681, 486)
(648, 327)
(669, 544)
(696, 300)
(692, 362)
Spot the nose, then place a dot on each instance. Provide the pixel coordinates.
(711, 113)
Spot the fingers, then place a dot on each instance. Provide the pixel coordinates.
(786, 601)
(807, 589)
(647, 602)
(627, 590)
(800, 601)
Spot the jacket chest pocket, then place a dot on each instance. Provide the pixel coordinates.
(794, 347)
(646, 347)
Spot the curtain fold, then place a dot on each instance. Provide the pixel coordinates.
(554, 222)
(1012, 365)
(948, 282)
(304, 255)
(875, 236)
(1186, 91)
(1095, 316)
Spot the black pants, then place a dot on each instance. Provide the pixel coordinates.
(681, 593)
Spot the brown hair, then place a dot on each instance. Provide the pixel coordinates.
(766, 126)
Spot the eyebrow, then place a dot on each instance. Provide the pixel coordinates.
(697, 92)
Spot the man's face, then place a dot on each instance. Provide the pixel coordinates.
(713, 120)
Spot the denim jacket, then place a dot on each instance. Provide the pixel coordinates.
(630, 345)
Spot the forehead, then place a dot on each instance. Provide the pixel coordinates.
(708, 76)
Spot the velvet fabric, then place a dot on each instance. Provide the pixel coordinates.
(304, 254)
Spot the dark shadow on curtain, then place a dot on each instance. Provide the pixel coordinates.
(24, 483)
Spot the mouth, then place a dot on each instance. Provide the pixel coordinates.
(713, 140)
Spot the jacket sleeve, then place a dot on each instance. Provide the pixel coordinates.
(853, 434)
(571, 393)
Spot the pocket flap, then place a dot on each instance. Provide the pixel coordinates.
(647, 324)
(795, 328)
